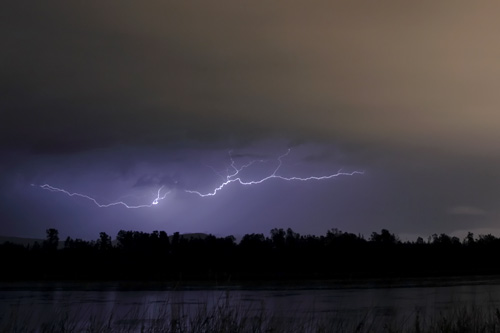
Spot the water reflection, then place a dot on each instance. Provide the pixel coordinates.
(350, 301)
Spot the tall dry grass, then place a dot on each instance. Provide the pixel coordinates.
(224, 316)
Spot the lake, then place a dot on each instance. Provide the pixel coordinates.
(398, 300)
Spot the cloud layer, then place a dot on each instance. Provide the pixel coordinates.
(82, 75)
(406, 91)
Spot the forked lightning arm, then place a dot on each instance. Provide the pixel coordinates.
(155, 201)
(230, 178)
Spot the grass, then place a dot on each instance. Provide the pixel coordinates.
(223, 316)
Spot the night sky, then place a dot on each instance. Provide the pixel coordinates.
(116, 99)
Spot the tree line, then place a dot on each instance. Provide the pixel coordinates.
(283, 254)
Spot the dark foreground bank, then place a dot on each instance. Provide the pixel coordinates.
(221, 317)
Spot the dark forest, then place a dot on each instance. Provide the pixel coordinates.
(283, 255)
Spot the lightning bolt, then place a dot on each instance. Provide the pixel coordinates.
(232, 178)
(156, 200)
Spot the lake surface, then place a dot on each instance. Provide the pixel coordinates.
(398, 299)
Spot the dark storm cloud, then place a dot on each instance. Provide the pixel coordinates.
(86, 74)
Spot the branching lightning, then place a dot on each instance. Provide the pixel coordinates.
(156, 200)
(232, 176)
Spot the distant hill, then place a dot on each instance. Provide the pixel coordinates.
(20, 240)
(31, 241)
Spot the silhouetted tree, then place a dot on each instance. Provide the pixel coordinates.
(52, 240)
(385, 237)
(469, 239)
(487, 240)
(67, 242)
(278, 237)
(104, 242)
(252, 240)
